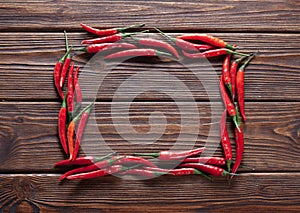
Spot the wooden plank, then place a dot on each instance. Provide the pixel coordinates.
(29, 130)
(184, 15)
(273, 75)
(266, 192)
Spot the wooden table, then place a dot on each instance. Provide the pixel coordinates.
(31, 43)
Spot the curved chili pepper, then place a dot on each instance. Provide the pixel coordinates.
(107, 32)
(225, 140)
(70, 93)
(227, 102)
(96, 166)
(57, 71)
(226, 73)
(96, 48)
(77, 88)
(157, 43)
(217, 42)
(137, 52)
(134, 160)
(185, 45)
(233, 71)
(62, 119)
(80, 129)
(111, 38)
(211, 53)
(66, 64)
(240, 87)
(98, 173)
(213, 170)
(71, 131)
(86, 160)
(219, 161)
(239, 149)
(169, 155)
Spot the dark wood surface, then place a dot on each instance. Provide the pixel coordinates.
(31, 41)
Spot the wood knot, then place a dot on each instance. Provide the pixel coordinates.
(24, 189)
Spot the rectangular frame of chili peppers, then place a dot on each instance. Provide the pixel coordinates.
(231, 88)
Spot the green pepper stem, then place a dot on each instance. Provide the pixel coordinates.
(197, 172)
(154, 155)
(86, 109)
(165, 35)
(248, 61)
(65, 55)
(236, 123)
(97, 159)
(228, 163)
(160, 53)
(124, 35)
(131, 26)
(236, 53)
(67, 42)
(83, 49)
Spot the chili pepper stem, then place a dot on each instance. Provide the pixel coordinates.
(124, 35)
(229, 88)
(160, 53)
(66, 39)
(237, 53)
(154, 155)
(236, 123)
(165, 35)
(131, 26)
(65, 55)
(197, 172)
(228, 163)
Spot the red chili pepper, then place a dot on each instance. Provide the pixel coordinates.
(225, 140)
(179, 172)
(226, 73)
(157, 43)
(62, 119)
(227, 102)
(185, 45)
(125, 160)
(208, 160)
(239, 149)
(240, 87)
(86, 160)
(70, 94)
(169, 155)
(96, 166)
(96, 48)
(107, 32)
(66, 65)
(77, 88)
(136, 53)
(80, 129)
(98, 173)
(71, 131)
(233, 71)
(207, 39)
(57, 71)
(203, 47)
(111, 38)
(213, 170)
(211, 53)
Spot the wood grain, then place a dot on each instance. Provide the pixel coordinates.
(280, 16)
(29, 130)
(272, 75)
(265, 192)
